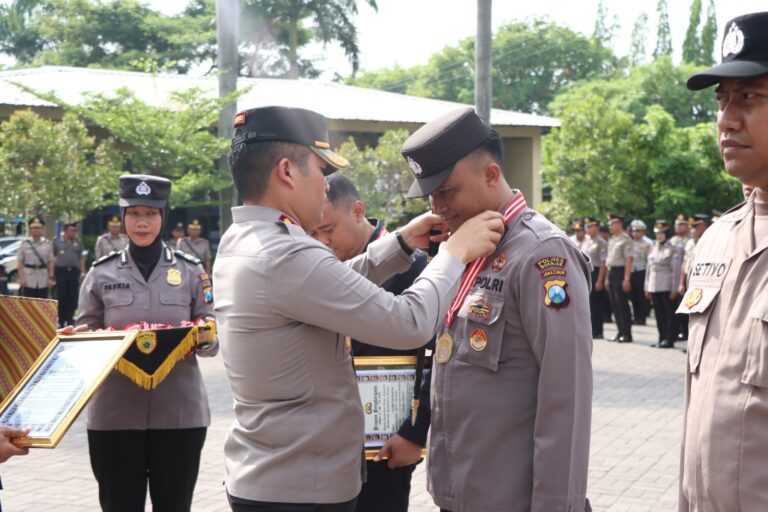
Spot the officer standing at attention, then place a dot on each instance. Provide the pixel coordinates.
(641, 246)
(69, 271)
(137, 435)
(597, 250)
(196, 245)
(619, 265)
(725, 438)
(662, 274)
(177, 235)
(112, 240)
(35, 262)
(680, 239)
(699, 223)
(512, 384)
(284, 303)
(347, 232)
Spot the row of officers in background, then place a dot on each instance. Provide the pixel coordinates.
(58, 265)
(630, 267)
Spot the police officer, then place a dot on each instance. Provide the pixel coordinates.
(641, 246)
(196, 245)
(298, 434)
(35, 262)
(512, 383)
(597, 250)
(662, 275)
(69, 271)
(177, 235)
(346, 230)
(619, 265)
(699, 223)
(112, 240)
(725, 438)
(136, 435)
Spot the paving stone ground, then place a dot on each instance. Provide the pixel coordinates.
(636, 425)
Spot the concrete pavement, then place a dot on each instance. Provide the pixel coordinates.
(636, 424)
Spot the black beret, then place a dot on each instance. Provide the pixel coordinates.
(286, 124)
(433, 150)
(144, 190)
(744, 52)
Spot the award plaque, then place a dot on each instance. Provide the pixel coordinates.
(386, 389)
(59, 384)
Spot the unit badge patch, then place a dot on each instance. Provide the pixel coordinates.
(555, 295)
(480, 309)
(499, 262)
(146, 342)
(478, 340)
(694, 297)
(551, 267)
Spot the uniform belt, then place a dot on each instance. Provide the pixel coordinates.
(36, 267)
(66, 269)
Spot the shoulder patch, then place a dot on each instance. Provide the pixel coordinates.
(108, 257)
(188, 257)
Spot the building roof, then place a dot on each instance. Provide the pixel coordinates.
(336, 101)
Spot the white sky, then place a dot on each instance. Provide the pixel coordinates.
(407, 32)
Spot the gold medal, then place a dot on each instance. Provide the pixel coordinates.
(444, 347)
(173, 277)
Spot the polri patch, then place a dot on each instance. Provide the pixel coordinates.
(551, 267)
(555, 295)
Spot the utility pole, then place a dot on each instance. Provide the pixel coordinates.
(483, 61)
(228, 38)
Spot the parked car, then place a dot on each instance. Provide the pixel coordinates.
(9, 263)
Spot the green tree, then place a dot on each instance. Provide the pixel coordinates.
(708, 37)
(637, 47)
(604, 30)
(53, 168)
(663, 32)
(19, 36)
(692, 43)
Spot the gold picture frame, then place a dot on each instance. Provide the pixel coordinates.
(60, 383)
(386, 401)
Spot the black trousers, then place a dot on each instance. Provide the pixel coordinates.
(680, 321)
(35, 293)
(640, 306)
(124, 460)
(665, 314)
(67, 282)
(240, 505)
(596, 307)
(386, 490)
(619, 301)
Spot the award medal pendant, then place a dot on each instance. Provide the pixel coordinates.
(444, 348)
(173, 277)
(478, 340)
(146, 342)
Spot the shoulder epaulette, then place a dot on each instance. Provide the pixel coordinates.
(108, 257)
(188, 257)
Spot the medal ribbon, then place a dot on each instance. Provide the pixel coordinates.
(517, 205)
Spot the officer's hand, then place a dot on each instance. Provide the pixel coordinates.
(71, 329)
(7, 448)
(477, 237)
(626, 286)
(399, 451)
(22, 282)
(681, 289)
(416, 232)
(648, 295)
(673, 295)
(599, 286)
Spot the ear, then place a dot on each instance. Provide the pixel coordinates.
(358, 210)
(493, 173)
(285, 173)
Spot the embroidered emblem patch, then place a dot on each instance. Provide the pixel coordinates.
(733, 42)
(143, 189)
(240, 119)
(556, 296)
(694, 297)
(499, 262)
(551, 266)
(207, 294)
(146, 342)
(478, 340)
(415, 167)
(480, 309)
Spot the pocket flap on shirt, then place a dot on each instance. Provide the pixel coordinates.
(697, 299)
(174, 298)
(760, 311)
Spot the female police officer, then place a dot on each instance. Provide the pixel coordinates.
(135, 435)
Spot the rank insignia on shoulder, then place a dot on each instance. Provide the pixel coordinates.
(555, 295)
(105, 258)
(188, 257)
(480, 309)
(499, 262)
(478, 340)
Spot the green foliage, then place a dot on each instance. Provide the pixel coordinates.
(708, 37)
(692, 43)
(663, 32)
(605, 29)
(53, 168)
(638, 42)
(382, 177)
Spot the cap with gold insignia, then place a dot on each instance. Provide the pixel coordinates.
(744, 52)
(716, 214)
(433, 150)
(35, 222)
(661, 226)
(195, 224)
(114, 222)
(286, 124)
(591, 221)
(144, 190)
(577, 225)
(698, 218)
(681, 219)
(179, 226)
(614, 217)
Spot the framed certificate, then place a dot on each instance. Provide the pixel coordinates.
(59, 384)
(386, 390)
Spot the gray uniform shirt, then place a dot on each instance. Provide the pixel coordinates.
(67, 252)
(108, 243)
(619, 249)
(640, 250)
(35, 277)
(596, 249)
(284, 304)
(199, 248)
(663, 271)
(114, 293)
(725, 437)
(511, 416)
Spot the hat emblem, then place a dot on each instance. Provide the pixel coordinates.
(143, 189)
(415, 167)
(733, 42)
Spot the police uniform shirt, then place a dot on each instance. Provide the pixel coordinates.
(663, 271)
(284, 304)
(690, 246)
(114, 293)
(726, 398)
(640, 250)
(680, 240)
(511, 408)
(620, 248)
(35, 271)
(596, 249)
(108, 243)
(199, 248)
(68, 252)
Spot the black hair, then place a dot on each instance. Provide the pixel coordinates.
(341, 190)
(492, 145)
(251, 164)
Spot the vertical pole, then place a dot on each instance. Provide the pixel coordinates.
(227, 36)
(483, 61)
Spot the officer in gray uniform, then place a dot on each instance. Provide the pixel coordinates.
(619, 265)
(35, 262)
(112, 240)
(177, 235)
(69, 271)
(196, 245)
(641, 246)
(512, 384)
(661, 277)
(597, 250)
(285, 304)
(137, 435)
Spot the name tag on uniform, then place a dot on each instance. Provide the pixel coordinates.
(706, 279)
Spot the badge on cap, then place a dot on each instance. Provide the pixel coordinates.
(146, 342)
(733, 42)
(173, 277)
(143, 189)
(478, 340)
(415, 167)
(240, 119)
